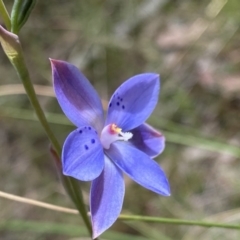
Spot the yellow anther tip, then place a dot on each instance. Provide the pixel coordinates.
(115, 129)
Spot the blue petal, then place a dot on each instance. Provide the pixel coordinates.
(76, 96)
(82, 155)
(139, 166)
(107, 193)
(148, 140)
(134, 101)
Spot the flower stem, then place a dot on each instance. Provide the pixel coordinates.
(16, 58)
(5, 15)
(177, 221)
(23, 74)
(70, 185)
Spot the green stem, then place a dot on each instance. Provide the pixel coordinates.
(5, 15)
(177, 221)
(74, 192)
(71, 184)
(24, 76)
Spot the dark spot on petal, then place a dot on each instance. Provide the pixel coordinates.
(123, 107)
(121, 99)
(89, 128)
(93, 141)
(80, 131)
(110, 104)
(118, 103)
(86, 147)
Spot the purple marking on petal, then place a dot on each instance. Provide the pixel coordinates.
(106, 199)
(148, 140)
(139, 166)
(140, 94)
(76, 96)
(80, 159)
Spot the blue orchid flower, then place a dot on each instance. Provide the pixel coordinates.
(100, 151)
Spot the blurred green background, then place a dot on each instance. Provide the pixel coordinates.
(195, 46)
